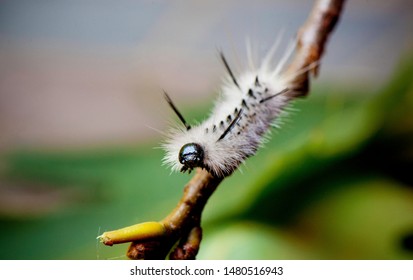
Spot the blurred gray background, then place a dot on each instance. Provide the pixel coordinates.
(90, 73)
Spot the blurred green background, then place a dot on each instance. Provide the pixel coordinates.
(80, 94)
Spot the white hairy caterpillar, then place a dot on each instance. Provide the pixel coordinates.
(247, 108)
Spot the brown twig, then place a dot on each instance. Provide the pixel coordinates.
(154, 240)
(311, 41)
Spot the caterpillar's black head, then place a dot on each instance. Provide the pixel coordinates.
(191, 155)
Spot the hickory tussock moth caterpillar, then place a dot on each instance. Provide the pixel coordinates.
(245, 111)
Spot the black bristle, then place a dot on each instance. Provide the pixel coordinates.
(251, 94)
(181, 118)
(229, 128)
(244, 104)
(257, 83)
(229, 69)
(272, 96)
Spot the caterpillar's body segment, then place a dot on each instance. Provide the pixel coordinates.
(246, 109)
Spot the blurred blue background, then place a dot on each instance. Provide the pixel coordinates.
(81, 112)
